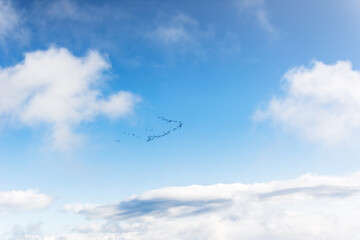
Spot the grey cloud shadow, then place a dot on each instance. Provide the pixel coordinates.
(158, 206)
(316, 191)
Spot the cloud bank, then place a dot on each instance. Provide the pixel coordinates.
(320, 103)
(308, 207)
(24, 200)
(56, 88)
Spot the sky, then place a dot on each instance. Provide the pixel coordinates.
(267, 93)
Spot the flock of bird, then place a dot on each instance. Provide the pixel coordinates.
(150, 138)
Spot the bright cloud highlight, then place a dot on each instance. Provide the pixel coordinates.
(56, 88)
(320, 103)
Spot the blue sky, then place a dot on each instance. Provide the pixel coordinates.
(266, 90)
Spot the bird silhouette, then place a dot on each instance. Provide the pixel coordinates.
(156, 136)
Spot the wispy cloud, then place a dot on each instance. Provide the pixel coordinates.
(320, 103)
(258, 10)
(24, 200)
(80, 11)
(10, 21)
(181, 29)
(56, 88)
(181, 32)
(9, 18)
(67, 9)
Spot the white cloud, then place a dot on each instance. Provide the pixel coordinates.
(320, 103)
(24, 200)
(79, 207)
(56, 88)
(9, 19)
(309, 207)
(257, 8)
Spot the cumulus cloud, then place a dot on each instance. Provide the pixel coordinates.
(9, 19)
(24, 200)
(320, 103)
(56, 88)
(258, 10)
(308, 207)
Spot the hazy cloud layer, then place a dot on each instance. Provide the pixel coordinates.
(320, 103)
(24, 200)
(56, 88)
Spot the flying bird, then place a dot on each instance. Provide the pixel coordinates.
(156, 136)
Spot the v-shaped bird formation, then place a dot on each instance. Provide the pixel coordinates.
(149, 138)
